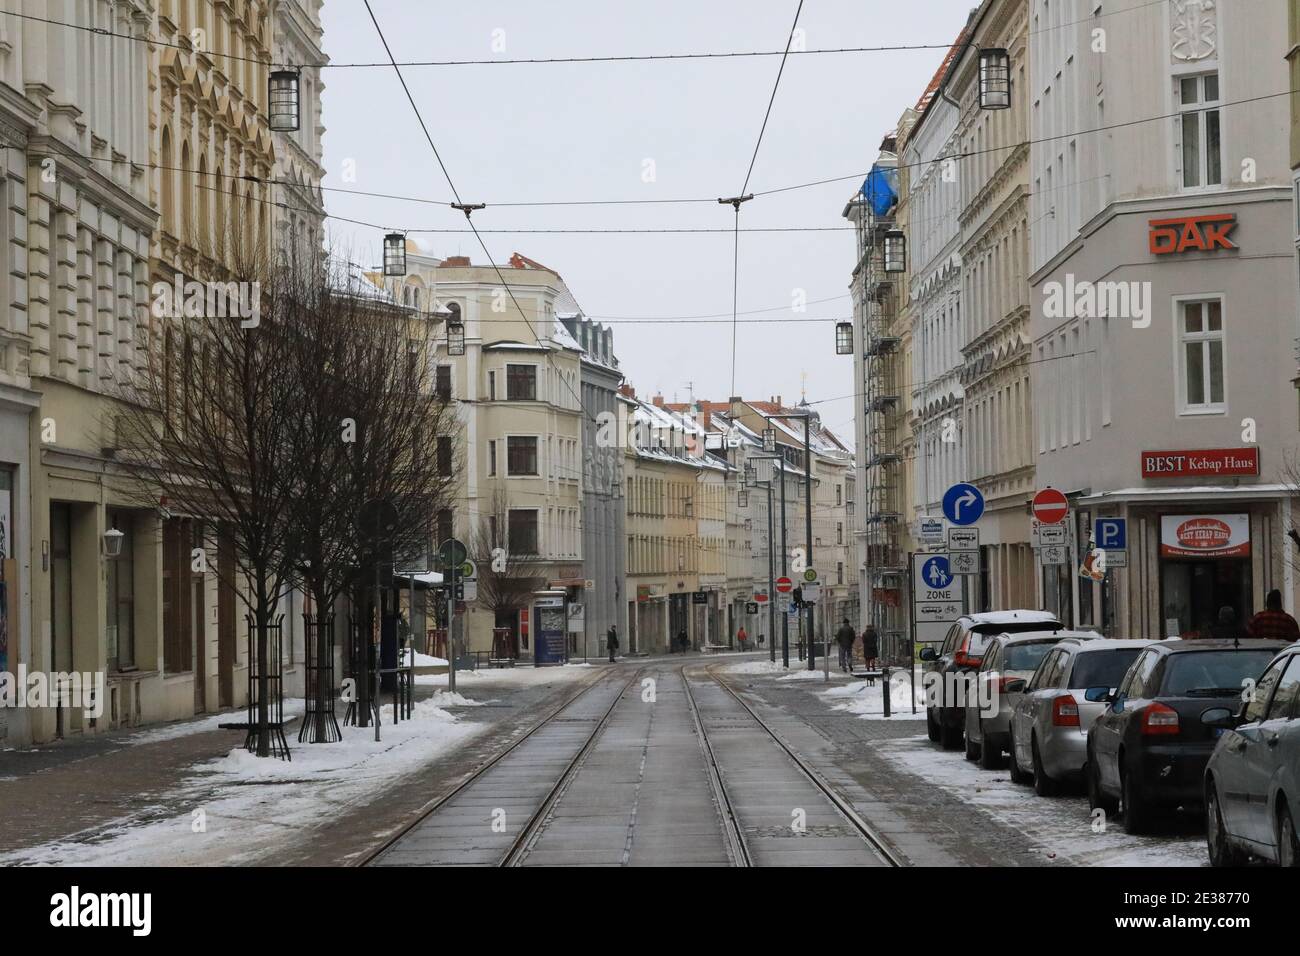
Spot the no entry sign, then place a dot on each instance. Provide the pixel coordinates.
(1050, 506)
(784, 585)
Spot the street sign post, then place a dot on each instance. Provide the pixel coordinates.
(811, 593)
(1055, 554)
(930, 530)
(1050, 506)
(1110, 534)
(784, 585)
(937, 595)
(963, 539)
(964, 562)
(963, 504)
(1050, 534)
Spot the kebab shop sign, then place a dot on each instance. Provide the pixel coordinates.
(1201, 463)
(1205, 536)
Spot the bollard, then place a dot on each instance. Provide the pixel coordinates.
(884, 687)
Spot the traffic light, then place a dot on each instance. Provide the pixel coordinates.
(798, 597)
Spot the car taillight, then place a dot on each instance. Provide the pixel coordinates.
(1065, 711)
(1159, 719)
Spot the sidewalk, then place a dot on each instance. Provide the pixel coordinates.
(187, 793)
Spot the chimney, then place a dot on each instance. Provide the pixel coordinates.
(658, 401)
(455, 262)
(627, 391)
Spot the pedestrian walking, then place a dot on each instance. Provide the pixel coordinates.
(742, 637)
(611, 642)
(1273, 623)
(682, 640)
(845, 637)
(870, 646)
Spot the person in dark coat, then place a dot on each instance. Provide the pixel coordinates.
(1273, 623)
(611, 642)
(1228, 628)
(870, 646)
(682, 640)
(845, 637)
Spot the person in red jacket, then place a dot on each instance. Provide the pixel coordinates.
(1273, 623)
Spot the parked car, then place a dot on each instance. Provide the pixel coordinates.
(1009, 661)
(960, 654)
(1050, 723)
(1252, 782)
(1149, 748)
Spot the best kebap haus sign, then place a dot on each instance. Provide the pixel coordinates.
(1201, 463)
(1205, 536)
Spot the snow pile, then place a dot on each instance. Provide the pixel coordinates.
(805, 674)
(868, 701)
(518, 676)
(444, 698)
(422, 660)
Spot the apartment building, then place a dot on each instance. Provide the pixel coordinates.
(1165, 303)
(300, 219)
(993, 305)
(518, 395)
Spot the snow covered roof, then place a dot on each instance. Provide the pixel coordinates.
(561, 337)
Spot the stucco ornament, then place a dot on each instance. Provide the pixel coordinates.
(1195, 30)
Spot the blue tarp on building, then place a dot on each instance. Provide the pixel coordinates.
(881, 188)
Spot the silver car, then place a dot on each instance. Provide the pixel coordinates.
(1009, 661)
(1049, 728)
(1252, 782)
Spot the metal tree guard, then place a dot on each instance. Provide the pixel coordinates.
(319, 726)
(274, 688)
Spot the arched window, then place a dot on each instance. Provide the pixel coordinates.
(205, 204)
(187, 191)
(220, 196)
(165, 177)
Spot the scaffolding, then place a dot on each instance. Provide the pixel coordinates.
(885, 563)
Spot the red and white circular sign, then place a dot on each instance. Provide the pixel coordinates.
(1051, 506)
(760, 597)
(784, 585)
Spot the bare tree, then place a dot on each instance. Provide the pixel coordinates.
(507, 576)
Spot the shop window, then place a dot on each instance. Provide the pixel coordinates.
(1202, 150)
(1200, 348)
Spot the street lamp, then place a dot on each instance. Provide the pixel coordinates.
(995, 79)
(394, 254)
(455, 330)
(113, 543)
(282, 101)
(895, 251)
(844, 338)
(769, 439)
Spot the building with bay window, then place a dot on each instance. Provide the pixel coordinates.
(1164, 306)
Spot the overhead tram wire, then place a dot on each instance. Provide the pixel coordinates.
(468, 208)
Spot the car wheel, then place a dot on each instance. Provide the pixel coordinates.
(1136, 810)
(931, 725)
(1288, 846)
(1044, 785)
(1222, 852)
(1017, 775)
(973, 748)
(990, 756)
(1097, 799)
(949, 737)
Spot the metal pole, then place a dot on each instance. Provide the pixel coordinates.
(451, 627)
(807, 529)
(771, 576)
(785, 617)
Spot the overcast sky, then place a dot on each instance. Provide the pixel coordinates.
(533, 132)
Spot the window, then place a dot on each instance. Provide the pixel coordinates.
(839, 532)
(521, 455)
(839, 572)
(445, 529)
(523, 531)
(444, 455)
(1202, 151)
(1200, 336)
(1286, 698)
(521, 383)
(119, 606)
(492, 385)
(1263, 691)
(492, 458)
(442, 384)
(1139, 675)
(839, 495)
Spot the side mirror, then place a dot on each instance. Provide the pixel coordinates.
(1220, 717)
(1095, 695)
(1016, 686)
(928, 654)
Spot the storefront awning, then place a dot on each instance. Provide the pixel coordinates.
(1166, 494)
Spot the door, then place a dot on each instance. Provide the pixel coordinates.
(1110, 727)
(225, 618)
(60, 600)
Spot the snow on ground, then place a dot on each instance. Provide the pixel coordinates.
(423, 660)
(522, 675)
(867, 700)
(1058, 829)
(239, 806)
(798, 670)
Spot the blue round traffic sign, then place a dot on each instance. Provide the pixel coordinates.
(936, 573)
(963, 504)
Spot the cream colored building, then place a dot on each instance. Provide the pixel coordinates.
(994, 302)
(517, 394)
